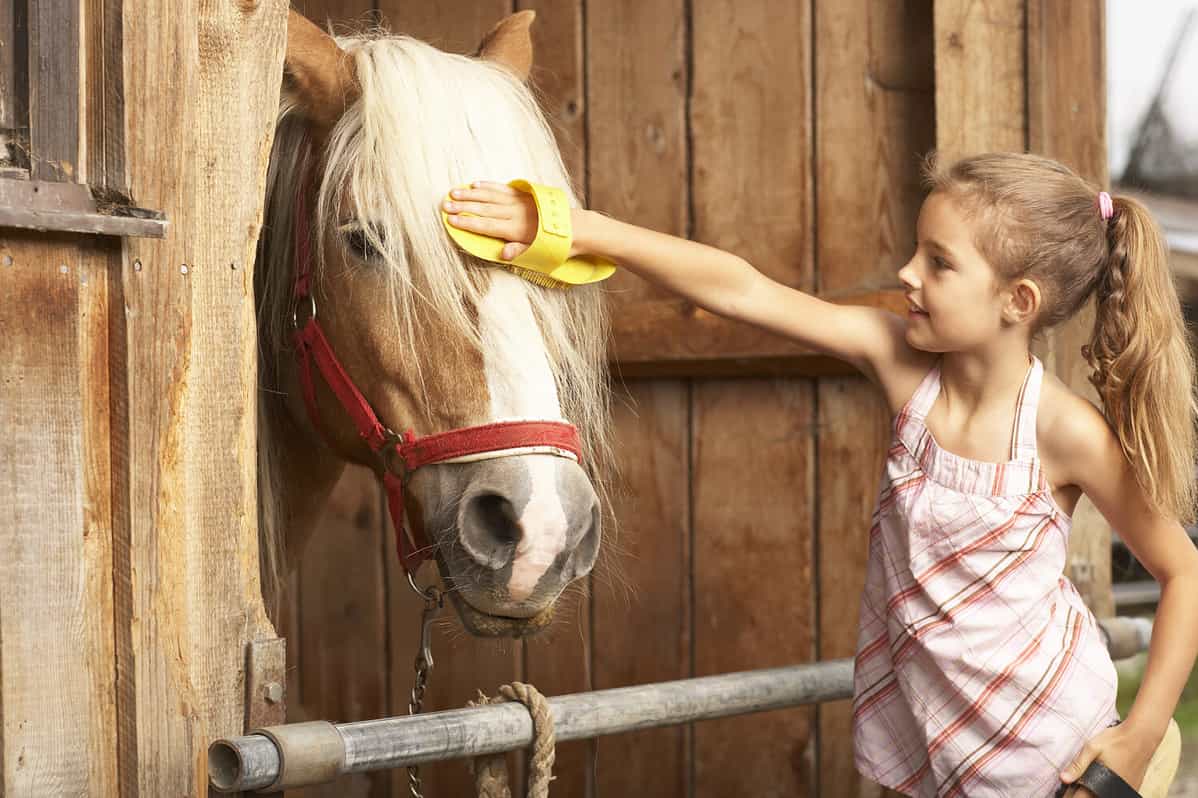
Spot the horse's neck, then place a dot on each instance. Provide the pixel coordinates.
(305, 473)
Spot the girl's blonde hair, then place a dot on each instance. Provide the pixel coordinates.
(1040, 221)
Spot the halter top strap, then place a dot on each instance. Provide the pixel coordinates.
(1023, 439)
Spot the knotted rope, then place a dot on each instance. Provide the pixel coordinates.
(490, 772)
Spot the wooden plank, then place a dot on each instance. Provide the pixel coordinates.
(57, 732)
(854, 433)
(558, 78)
(875, 119)
(99, 260)
(642, 609)
(753, 476)
(980, 76)
(54, 96)
(1066, 90)
(343, 649)
(751, 469)
(341, 15)
(14, 84)
(103, 99)
(636, 128)
(457, 26)
(184, 369)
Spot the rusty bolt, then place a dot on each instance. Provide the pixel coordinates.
(272, 692)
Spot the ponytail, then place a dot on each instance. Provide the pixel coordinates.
(1142, 361)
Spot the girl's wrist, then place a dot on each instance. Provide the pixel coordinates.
(580, 223)
(1147, 726)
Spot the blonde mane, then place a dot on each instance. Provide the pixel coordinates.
(425, 121)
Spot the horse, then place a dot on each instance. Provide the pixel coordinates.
(373, 130)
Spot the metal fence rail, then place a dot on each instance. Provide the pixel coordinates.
(298, 754)
(254, 761)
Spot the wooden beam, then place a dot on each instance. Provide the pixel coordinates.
(671, 336)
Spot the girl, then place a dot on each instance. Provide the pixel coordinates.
(979, 671)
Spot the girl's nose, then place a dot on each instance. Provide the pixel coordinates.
(908, 277)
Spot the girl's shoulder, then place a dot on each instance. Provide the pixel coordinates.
(1070, 430)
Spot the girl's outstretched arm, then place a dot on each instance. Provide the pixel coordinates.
(1094, 461)
(718, 281)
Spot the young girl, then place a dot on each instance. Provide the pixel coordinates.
(979, 671)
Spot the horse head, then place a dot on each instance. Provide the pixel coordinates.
(373, 130)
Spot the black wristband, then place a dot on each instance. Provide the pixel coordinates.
(1106, 783)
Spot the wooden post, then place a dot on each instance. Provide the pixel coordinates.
(201, 88)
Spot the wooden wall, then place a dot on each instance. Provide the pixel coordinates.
(791, 134)
(128, 526)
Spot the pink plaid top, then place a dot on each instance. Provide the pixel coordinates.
(979, 670)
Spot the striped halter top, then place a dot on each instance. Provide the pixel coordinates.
(979, 670)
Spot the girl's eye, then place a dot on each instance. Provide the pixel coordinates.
(359, 244)
(941, 263)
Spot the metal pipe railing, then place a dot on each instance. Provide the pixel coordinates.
(258, 761)
(298, 754)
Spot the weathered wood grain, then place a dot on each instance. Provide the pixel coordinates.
(54, 129)
(57, 727)
(980, 76)
(754, 587)
(559, 77)
(642, 594)
(185, 532)
(454, 25)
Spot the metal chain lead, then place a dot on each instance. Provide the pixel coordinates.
(434, 600)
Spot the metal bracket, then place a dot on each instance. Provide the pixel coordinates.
(45, 205)
(266, 683)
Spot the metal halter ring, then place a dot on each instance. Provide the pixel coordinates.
(432, 595)
(311, 312)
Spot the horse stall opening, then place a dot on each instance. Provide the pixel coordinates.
(791, 134)
(132, 626)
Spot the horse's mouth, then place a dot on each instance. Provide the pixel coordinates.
(482, 624)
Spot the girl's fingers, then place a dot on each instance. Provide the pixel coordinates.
(486, 192)
(513, 250)
(489, 209)
(497, 228)
(502, 188)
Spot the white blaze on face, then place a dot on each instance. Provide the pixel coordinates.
(521, 386)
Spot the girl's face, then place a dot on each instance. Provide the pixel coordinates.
(953, 297)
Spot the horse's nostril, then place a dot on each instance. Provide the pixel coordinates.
(490, 529)
(497, 516)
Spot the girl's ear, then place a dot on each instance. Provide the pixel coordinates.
(318, 74)
(1023, 301)
(509, 44)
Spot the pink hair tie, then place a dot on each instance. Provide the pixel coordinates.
(1106, 207)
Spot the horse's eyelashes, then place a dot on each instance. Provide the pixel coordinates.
(360, 244)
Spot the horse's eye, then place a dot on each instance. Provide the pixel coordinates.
(359, 243)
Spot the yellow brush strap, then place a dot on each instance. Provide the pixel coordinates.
(551, 247)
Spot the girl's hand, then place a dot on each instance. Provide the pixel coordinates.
(1121, 749)
(496, 210)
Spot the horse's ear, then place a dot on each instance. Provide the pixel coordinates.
(320, 75)
(510, 43)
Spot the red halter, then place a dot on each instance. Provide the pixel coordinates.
(400, 455)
